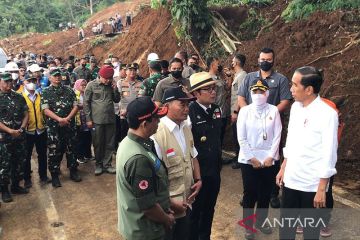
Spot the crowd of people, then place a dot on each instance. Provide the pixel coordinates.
(168, 132)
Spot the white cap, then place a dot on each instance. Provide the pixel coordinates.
(11, 67)
(34, 68)
(152, 57)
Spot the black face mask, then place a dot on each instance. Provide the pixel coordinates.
(83, 65)
(265, 65)
(176, 74)
(220, 68)
(70, 69)
(194, 66)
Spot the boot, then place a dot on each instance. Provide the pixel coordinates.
(16, 189)
(74, 175)
(5, 194)
(55, 181)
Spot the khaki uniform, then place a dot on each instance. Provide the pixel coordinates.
(128, 92)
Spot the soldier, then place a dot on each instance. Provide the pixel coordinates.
(129, 89)
(60, 106)
(13, 120)
(149, 84)
(141, 178)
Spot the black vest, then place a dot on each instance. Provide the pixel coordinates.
(206, 129)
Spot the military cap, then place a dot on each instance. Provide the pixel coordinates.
(55, 72)
(132, 66)
(259, 84)
(30, 76)
(6, 77)
(123, 66)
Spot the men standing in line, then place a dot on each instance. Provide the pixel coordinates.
(310, 153)
(279, 95)
(35, 132)
(99, 99)
(13, 120)
(206, 121)
(237, 64)
(129, 89)
(60, 107)
(174, 80)
(174, 144)
(148, 86)
(141, 180)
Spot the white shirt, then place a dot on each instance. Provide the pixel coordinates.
(258, 133)
(311, 145)
(32, 98)
(178, 132)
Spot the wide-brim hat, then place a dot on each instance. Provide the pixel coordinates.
(200, 80)
(259, 84)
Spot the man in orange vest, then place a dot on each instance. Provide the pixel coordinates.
(35, 132)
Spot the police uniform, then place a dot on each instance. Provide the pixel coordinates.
(60, 100)
(12, 150)
(141, 182)
(206, 130)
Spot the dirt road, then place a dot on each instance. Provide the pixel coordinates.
(87, 210)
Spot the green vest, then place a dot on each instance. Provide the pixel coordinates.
(132, 223)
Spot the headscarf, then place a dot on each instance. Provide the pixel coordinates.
(77, 84)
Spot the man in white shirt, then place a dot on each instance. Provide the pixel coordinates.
(174, 145)
(310, 153)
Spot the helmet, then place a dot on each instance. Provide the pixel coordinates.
(11, 67)
(152, 57)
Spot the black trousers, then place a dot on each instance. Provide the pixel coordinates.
(329, 202)
(275, 187)
(299, 205)
(124, 127)
(83, 147)
(202, 214)
(180, 231)
(223, 129)
(257, 189)
(236, 142)
(117, 132)
(41, 149)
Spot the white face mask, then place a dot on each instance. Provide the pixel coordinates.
(258, 99)
(115, 64)
(30, 86)
(14, 76)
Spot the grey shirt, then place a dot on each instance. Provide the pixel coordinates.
(238, 79)
(99, 102)
(187, 72)
(169, 82)
(278, 83)
(222, 96)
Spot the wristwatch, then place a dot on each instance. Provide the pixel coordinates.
(22, 129)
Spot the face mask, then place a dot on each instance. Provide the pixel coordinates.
(70, 69)
(258, 99)
(265, 65)
(14, 76)
(115, 64)
(220, 68)
(193, 66)
(83, 65)
(30, 86)
(176, 74)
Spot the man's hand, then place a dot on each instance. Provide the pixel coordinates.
(123, 112)
(280, 178)
(196, 189)
(15, 133)
(170, 221)
(90, 124)
(255, 163)
(178, 207)
(268, 162)
(233, 118)
(320, 199)
(63, 122)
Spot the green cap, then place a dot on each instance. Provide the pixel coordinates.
(6, 77)
(55, 72)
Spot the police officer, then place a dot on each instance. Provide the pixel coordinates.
(60, 107)
(206, 128)
(141, 178)
(13, 120)
(148, 86)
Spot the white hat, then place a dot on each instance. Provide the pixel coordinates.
(11, 67)
(152, 57)
(199, 80)
(34, 68)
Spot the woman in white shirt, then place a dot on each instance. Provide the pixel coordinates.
(259, 133)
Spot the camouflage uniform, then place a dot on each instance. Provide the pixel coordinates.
(12, 151)
(148, 86)
(60, 100)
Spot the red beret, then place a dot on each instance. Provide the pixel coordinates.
(106, 72)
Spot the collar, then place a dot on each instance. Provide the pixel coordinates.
(170, 124)
(146, 143)
(202, 106)
(175, 80)
(239, 72)
(28, 93)
(312, 104)
(258, 74)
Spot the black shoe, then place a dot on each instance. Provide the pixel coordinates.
(249, 235)
(226, 161)
(55, 181)
(44, 181)
(275, 202)
(74, 175)
(236, 165)
(5, 194)
(266, 229)
(16, 189)
(28, 183)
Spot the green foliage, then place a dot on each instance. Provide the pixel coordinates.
(238, 2)
(99, 41)
(299, 9)
(249, 29)
(47, 42)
